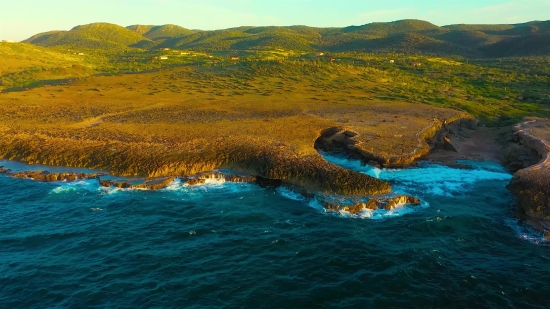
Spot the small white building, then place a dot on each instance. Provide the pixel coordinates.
(163, 58)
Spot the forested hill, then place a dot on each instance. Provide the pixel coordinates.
(403, 36)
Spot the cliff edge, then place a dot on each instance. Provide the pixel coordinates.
(531, 185)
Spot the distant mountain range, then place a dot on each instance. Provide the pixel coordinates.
(403, 36)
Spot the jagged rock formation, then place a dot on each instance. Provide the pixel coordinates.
(373, 204)
(531, 185)
(153, 184)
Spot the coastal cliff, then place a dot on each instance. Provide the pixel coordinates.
(531, 185)
(367, 147)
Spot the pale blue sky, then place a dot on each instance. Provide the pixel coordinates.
(19, 19)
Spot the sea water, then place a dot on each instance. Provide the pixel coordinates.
(227, 245)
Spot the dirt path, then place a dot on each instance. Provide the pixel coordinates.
(95, 121)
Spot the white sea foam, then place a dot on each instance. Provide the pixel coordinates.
(431, 179)
(379, 214)
(73, 186)
(525, 232)
(212, 186)
(291, 195)
(174, 185)
(63, 189)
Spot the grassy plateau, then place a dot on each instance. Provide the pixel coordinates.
(165, 101)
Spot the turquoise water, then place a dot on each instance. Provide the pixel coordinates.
(220, 245)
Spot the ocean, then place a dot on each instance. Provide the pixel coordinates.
(229, 245)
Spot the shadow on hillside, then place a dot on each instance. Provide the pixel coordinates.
(41, 83)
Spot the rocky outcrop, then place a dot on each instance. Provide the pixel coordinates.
(448, 144)
(373, 204)
(46, 176)
(531, 185)
(516, 157)
(438, 134)
(4, 170)
(153, 184)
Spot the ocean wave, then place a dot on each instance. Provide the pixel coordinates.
(74, 186)
(291, 195)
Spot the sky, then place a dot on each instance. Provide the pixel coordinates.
(20, 19)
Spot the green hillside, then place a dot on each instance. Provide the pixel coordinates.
(468, 38)
(27, 65)
(473, 27)
(529, 45)
(96, 35)
(400, 26)
(161, 32)
(403, 36)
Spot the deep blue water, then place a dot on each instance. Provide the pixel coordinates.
(241, 246)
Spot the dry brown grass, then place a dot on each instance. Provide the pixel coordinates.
(190, 120)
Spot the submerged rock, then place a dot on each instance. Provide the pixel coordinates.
(540, 226)
(373, 204)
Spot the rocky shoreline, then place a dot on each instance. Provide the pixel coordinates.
(531, 185)
(527, 154)
(437, 135)
(267, 165)
(146, 184)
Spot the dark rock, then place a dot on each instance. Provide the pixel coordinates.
(159, 183)
(373, 163)
(266, 182)
(242, 179)
(531, 185)
(46, 176)
(105, 183)
(350, 133)
(122, 185)
(195, 181)
(373, 204)
(355, 209)
(400, 200)
(516, 157)
(448, 144)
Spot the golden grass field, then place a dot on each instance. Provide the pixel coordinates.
(188, 120)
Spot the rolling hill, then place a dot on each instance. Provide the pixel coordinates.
(96, 35)
(406, 36)
(161, 32)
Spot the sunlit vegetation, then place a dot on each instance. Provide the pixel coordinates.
(165, 100)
